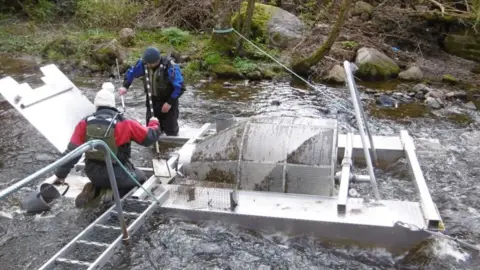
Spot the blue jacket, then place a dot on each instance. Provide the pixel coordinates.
(174, 74)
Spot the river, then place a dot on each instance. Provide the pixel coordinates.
(451, 170)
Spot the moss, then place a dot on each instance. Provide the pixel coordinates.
(449, 79)
(460, 118)
(349, 44)
(261, 15)
(379, 70)
(59, 48)
(226, 71)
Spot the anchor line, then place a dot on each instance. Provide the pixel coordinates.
(331, 96)
(413, 227)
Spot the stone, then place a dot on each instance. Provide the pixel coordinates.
(227, 71)
(470, 105)
(435, 94)
(375, 65)
(386, 101)
(411, 74)
(420, 95)
(465, 44)
(336, 74)
(106, 54)
(362, 8)
(456, 94)
(433, 103)
(273, 25)
(127, 37)
(254, 75)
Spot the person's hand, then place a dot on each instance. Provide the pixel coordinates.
(166, 107)
(122, 91)
(153, 119)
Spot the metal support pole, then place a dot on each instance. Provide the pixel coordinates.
(358, 116)
(20, 184)
(116, 194)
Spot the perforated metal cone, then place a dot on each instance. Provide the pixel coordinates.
(281, 154)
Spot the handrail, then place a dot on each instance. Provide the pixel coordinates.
(360, 115)
(91, 145)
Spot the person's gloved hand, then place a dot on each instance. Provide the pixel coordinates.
(153, 119)
(122, 91)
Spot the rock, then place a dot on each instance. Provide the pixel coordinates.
(105, 54)
(411, 74)
(275, 103)
(361, 8)
(411, 94)
(433, 103)
(370, 91)
(373, 64)
(386, 101)
(254, 75)
(457, 94)
(227, 71)
(342, 52)
(207, 248)
(228, 84)
(421, 88)
(58, 49)
(435, 94)
(336, 74)
(470, 105)
(274, 25)
(127, 37)
(420, 95)
(465, 44)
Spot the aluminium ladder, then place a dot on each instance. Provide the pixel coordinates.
(96, 244)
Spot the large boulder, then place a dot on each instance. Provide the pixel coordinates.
(127, 37)
(273, 25)
(106, 54)
(464, 44)
(375, 65)
(361, 8)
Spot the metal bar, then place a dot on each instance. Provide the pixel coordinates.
(357, 178)
(23, 106)
(345, 176)
(27, 180)
(429, 210)
(284, 171)
(107, 254)
(116, 194)
(104, 217)
(362, 132)
(370, 138)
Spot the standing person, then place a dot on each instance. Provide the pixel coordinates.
(165, 80)
(117, 132)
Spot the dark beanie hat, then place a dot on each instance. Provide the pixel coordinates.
(151, 55)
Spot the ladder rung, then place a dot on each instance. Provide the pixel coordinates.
(69, 261)
(132, 214)
(137, 201)
(92, 243)
(107, 227)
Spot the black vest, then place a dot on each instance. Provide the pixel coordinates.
(160, 85)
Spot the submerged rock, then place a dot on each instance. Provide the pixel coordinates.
(434, 103)
(336, 74)
(386, 101)
(375, 65)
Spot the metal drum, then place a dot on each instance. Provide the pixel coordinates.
(279, 154)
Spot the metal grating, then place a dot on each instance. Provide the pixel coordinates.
(270, 154)
(202, 194)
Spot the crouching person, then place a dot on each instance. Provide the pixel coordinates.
(117, 132)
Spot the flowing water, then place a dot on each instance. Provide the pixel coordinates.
(451, 169)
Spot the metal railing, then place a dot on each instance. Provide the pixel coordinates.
(360, 116)
(88, 146)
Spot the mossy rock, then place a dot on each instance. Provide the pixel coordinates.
(226, 71)
(59, 49)
(465, 45)
(106, 54)
(261, 15)
(375, 65)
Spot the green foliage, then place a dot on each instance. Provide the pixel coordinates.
(213, 58)
(107, 13)
(41, 10)
(244, 65)
(192, 71)
(349, 44)
(175, 37)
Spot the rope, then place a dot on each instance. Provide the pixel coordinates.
(282, 65)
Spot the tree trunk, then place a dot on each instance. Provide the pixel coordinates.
(246, 25)
(302, 66)
(224, 43)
